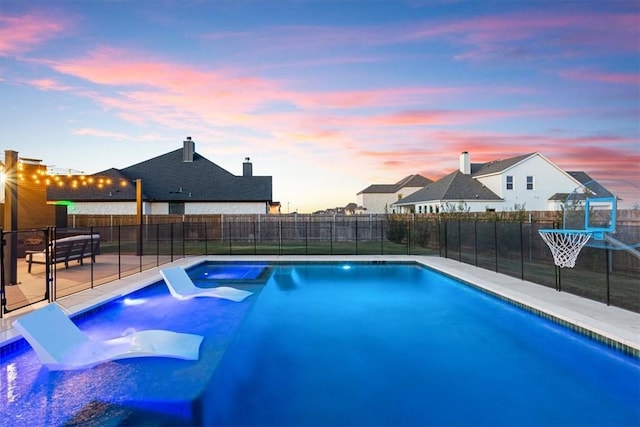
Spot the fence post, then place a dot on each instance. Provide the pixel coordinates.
(558, 269)
(140, 240)
(558, 279)
(171, 240)
(3, 299)
(49, 270)
(306, 236)
(119, 251)
(206, 240)
(521, 253)
(92, 253)
(607, 253)
(381, 237)
(475, 238)
(158, 245)
(459, 240)
(331, 236)
(446, 238)
(495, 241)
(280, 237)
(409, 236)
(439, 236)
(255, 243)
(356, 234)
(229, 236)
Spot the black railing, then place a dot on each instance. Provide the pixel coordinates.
(516, 249)
(512, 248)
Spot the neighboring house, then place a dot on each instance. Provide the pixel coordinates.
(378, 198)
(530, 182)
(354, 209)
(350, 209)
(178, 182)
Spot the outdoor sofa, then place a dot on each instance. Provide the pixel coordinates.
(67, 249)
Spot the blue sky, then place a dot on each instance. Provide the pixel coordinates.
(326, 97)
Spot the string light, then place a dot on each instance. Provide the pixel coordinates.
(33, 171)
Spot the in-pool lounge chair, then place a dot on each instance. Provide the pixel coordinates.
(61, 345)
(181, 286)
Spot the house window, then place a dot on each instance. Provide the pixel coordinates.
(176, 208)
(509, 182)
(529, 183)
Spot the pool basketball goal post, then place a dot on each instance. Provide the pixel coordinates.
(584, 219)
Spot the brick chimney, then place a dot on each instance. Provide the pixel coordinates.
(188, 148)
(465, 163)
(247, 167)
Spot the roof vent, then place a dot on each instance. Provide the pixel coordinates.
(188, 148)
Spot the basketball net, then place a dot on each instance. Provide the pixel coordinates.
(565, 245)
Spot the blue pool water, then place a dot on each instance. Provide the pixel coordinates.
(327, 345)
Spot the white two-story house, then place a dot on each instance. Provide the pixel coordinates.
(530, 182)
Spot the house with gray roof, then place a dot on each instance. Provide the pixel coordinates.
(530, 181)
(378, 198)
(178, 182)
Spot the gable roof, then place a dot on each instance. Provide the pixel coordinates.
(593, 185)
(169, 178)
(416, 181)
(497, 166)
(583, 178)
(454, 187)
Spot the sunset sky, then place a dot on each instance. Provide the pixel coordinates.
(326, 97)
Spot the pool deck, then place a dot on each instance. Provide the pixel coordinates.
(618, 327)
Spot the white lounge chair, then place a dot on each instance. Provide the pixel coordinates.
(181, 286)
(61, 345)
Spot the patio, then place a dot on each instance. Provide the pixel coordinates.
(31, 287)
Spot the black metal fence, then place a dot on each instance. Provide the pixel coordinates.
(512, 248)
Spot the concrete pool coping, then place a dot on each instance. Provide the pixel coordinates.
(616, 327)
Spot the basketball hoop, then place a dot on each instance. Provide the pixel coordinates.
(565, 244)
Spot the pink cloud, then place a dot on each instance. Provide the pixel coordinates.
(605, 77)
(49, 84)
(433, 118)
(19, 34)
(152, 90)
(373, 98)
(159, 91)
(536, 34)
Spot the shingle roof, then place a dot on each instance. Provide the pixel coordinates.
(593, 185)
(415, 181)
(455, 186)
(169, 178)
(497, 166)
(458, 186)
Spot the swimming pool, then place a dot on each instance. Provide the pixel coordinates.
(356, 344)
